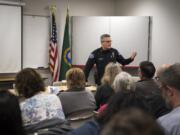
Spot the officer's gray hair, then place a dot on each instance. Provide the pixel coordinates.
(104, 36)
(123, 81)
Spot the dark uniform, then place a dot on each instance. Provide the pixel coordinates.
(101, 58)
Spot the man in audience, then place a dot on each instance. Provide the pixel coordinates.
(169, 81)
(160, 69)
(147, 85)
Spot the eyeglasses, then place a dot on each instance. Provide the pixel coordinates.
(108, 41)
(156, 78)
(162, 86)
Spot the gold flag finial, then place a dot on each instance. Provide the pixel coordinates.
(53, 8)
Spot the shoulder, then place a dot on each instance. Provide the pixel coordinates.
(70, 94)
(97, 50)
(95, 53)
(105, 86)
(49, 97)
(172, 118)
(170, 122)
(114, 50)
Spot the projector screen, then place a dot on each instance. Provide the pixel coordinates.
(10, 39)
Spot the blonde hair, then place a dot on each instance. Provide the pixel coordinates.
(123, 81)
(111, 70)
(75, 78)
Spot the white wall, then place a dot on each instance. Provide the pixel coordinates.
(165, 28)
(77, 8)
(10, 39)
(165, 13)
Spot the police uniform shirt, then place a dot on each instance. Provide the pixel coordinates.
(101, 58)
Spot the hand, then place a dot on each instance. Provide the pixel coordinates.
(133, 55)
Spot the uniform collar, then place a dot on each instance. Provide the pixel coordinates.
(102, 50)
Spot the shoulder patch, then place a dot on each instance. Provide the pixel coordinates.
(91, 56)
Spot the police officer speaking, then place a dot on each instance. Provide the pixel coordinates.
(103, 55)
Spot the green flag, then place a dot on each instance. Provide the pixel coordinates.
(66, 51)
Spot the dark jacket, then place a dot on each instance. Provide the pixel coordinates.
(49, 127)
(150, 90)
(101, 58)
(147, 87)
(103, 94)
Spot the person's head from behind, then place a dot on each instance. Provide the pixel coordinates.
(105, 41)
(146, 70)
(132, 122)
(111, 70)
(169, 83)
(161, 69)
(75, 78)
(123, 81)
(28, 83)
(123, 100)
(10, 114)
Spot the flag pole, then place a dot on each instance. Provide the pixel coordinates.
(68, 5)
(53, 50)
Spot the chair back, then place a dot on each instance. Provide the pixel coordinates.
(79, 118)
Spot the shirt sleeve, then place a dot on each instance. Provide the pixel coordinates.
(89, 64)
(122, 60)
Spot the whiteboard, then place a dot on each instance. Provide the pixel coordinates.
(35, 41)
(10, 39)
(128, 34)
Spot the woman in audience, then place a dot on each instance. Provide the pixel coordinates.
(76, 98)
(120, 101)
(123, 81)
(132, 122)
(10, 115)
(38, 105)
(105, 91)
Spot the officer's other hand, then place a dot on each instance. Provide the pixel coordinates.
(133, 55)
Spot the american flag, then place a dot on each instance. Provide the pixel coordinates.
(53, 51)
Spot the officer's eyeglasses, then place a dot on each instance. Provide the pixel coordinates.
(108, 41)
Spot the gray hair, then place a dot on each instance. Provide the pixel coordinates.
(171, 76)
(104, 36)
(123, 81)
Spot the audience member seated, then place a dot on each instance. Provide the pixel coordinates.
(49, 127)
(76, 98)
(122, 81)
(132, 122)
(119, 101)
(10, 114)
(161, 69)
(105, 91)
(169, 81)
(147, 84)
(149, 88)
(38, 105)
